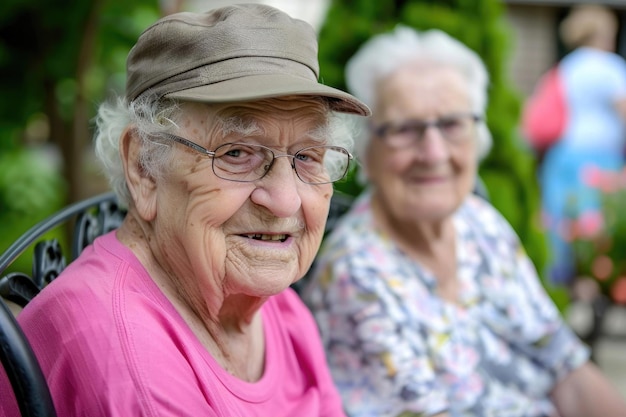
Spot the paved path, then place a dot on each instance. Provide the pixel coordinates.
(610, 352)
(611, 357)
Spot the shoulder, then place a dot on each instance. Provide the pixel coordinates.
(85, 289)
(594, 66)
(82, 286)
(87, 329)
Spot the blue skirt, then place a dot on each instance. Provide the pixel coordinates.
(566, 195)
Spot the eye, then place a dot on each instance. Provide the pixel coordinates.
(238, 158)
(312, 155)
(408, 128)
(232, 152)
(237, 152)
(451, 124)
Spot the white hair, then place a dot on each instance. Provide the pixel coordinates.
(385, 53)
(149, 117)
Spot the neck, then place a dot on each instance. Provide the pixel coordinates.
(414, 235)
(601, 42)
(229, 326)
(431, 244)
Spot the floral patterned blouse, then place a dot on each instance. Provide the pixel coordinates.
(396, 349)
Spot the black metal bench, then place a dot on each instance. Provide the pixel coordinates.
(92, 218)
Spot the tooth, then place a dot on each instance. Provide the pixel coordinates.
(259, 236)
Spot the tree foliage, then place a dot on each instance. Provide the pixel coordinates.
(58, 60)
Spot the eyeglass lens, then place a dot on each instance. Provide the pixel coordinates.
(248, 162)
(453, 128)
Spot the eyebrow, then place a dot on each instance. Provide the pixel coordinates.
(249, 126)
(239, 125)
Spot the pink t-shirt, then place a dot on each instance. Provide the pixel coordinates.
(111, 344)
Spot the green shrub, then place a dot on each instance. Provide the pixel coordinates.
(31, 189)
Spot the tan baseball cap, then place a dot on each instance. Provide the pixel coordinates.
(235, 53)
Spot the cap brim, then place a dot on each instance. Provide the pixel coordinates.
(267, 86)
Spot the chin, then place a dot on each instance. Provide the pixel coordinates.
(267, 283)
(434, 212)
(269, 291)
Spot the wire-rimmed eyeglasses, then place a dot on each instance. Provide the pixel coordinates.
(248, 162)
(454, 128)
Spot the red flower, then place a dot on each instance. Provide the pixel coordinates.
(589, 224)
(602, 267)
(592, 176)
(618, 291)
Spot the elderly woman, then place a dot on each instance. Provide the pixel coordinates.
(225, 148)
(426, 301)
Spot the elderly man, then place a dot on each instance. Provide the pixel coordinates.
(224, 148)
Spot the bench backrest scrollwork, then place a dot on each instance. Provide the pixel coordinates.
(93, 217)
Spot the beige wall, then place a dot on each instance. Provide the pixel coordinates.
(534, 44)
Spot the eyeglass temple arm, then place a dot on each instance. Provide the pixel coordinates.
(189, 144)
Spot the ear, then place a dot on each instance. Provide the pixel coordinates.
(142, 186)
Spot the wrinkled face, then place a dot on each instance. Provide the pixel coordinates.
(427, 179)
(252, 238)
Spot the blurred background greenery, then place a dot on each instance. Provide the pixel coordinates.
(58, 60)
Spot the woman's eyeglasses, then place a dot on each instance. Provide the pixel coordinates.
(454, 129)
(247, 162)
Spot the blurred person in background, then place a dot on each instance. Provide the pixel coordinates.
(593, 77)
(426, 301)
(224, 148)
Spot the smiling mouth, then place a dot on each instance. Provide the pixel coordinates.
(272, 238)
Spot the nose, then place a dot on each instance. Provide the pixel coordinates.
(432, 146)
(278, 190)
